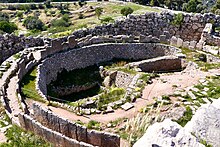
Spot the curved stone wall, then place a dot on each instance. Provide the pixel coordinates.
(94, 54)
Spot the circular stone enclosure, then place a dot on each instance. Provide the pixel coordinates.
(95, 54)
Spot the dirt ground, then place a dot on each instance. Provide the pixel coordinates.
(164, 85)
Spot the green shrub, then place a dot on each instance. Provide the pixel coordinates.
(178, 19)
(107, 19)
(93, 125)
(34, 23)
(4, 16)
(98, 12)
(17, 56)
(186, 117)
(19, 14)
(107, 97)
(126, 10)
(17, 137)
(59, 23)
(7, 27)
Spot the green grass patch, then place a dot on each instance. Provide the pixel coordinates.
(186, 117)
(28, 86)
(107, 97)
(17, 56)
(92, 124)
(17, 137)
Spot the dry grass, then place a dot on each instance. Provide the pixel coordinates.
(137, 126)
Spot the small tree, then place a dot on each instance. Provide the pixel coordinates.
(7, 27)
(33, 23)
(98, 12)
(126, 10)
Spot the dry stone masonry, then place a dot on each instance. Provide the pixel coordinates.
(136, 37)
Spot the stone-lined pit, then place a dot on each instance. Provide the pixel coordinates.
(81, 58)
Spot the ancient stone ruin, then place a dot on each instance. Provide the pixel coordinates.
(151, 41)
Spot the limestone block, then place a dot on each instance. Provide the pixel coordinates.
(72, 130)
(167, 133)
(192, 45)
(206, 114)
(186, 44)
(65, 46)
(163, 38)
(28, 122)
(200, 44)
(37, 128)
(68, 142)
(81, 133)
(22, 120)
(94, 138)
(58, 139)
(48, 134)
(110, 140)
(64, 127)
(56, 45)
(179, 42)
(173, 41)
(72, 41)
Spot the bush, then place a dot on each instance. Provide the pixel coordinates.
(7, 27)
(59, 23)
(98, 12)
(4, 16)
(17, 137)
(19, 14)
(33, 23)
(126, 10)
(178, 19)
(107, 19)
(63, 22)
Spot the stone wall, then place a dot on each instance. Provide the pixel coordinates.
(208, 36)
(62, 90)
(11, 44)
(55, 138)
(160, 64)
(73, 130)
(155, 24)
(94, 54)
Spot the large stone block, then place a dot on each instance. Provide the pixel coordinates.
(110, 140)
(173, 41)
(81, 133)
(64, 127)
(179, 42)
(68, 142)
(72, 130)
(94, 138)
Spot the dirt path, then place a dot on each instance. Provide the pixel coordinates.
(13, 100)
(164, 85)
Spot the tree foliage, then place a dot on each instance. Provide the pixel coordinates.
(33, 23)
(7, 27)
(126, 10)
